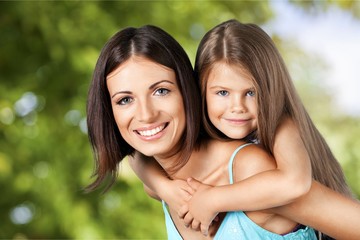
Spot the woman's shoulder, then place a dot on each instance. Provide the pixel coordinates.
(219, 150)
(226, 144)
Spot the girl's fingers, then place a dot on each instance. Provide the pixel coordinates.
(204, 229)
(193, 183)
(183, 211)
(188, 220)
(195, 224)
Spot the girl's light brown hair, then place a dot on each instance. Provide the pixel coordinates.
(249, 47)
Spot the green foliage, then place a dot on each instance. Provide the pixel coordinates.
(47, 55)
(314, 6)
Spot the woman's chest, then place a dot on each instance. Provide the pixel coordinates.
(210, 168)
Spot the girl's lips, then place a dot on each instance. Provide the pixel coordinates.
(237, 121)
(151, 131)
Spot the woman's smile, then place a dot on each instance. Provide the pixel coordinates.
(147, 106)
(152, 132)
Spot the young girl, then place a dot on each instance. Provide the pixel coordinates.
(247, 92)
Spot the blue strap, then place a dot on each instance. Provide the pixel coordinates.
(232, 160)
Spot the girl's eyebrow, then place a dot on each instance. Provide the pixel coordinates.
(152, 86)
(218, 86)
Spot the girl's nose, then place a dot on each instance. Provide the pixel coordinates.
(237, 104)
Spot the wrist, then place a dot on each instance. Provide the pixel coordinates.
(219, 200)
(161, 188)
(216, 201)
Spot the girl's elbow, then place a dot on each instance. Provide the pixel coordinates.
(300, 187)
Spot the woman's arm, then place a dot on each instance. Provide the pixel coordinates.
(325, 210)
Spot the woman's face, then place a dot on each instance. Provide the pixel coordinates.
(147, 106)
(231, 100)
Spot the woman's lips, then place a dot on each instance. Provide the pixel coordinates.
(151, 131)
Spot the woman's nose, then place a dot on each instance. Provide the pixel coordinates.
(146, 111)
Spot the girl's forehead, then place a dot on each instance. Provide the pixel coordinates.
(218, 66)
(220, 70)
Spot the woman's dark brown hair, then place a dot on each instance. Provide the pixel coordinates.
(156, 45)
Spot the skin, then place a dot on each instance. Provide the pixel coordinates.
(148, 110)
(249, 161)
(231, 101)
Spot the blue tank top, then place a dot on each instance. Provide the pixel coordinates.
(236, 225)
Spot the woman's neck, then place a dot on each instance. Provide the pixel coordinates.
(169, 161)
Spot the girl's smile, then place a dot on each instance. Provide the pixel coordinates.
(237, 121)
(231, 100)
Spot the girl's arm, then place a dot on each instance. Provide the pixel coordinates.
(325, 210)
(321, 208)
(288, 180)
(156, 183)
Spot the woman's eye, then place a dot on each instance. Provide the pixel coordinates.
(161, 92)
(250, 93)
(223, 93)
(125, 100)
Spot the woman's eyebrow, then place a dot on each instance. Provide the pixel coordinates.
(159, 82)
(121, 92)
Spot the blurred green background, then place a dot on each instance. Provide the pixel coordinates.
(48, 51)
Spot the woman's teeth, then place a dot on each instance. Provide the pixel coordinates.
(148, 133)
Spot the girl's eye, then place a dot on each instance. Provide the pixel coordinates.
(125, 101)
(223, 93)
(250, 93)
(162, 92)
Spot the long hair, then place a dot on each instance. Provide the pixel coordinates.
(249, 47)
(153, 43)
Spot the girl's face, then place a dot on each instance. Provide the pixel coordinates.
(147, 106)
(231, 100)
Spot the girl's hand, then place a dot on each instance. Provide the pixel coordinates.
(176, 193)
(198, 213)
